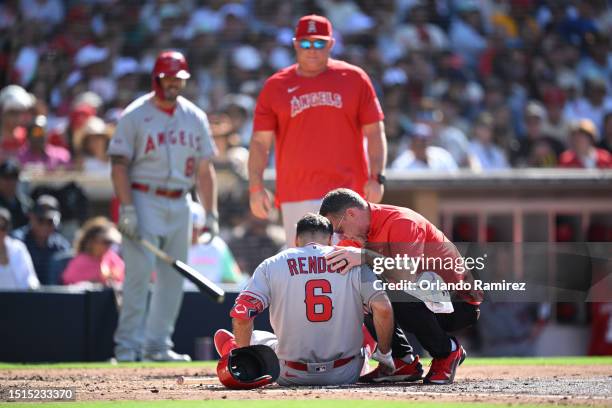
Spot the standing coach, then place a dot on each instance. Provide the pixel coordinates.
(318, 112)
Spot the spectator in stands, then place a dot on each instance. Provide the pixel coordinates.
(420, 34)
(93, 158)
(95, 260)
(583, 152)
(467, 32)
(595, 103)
(213, 259)
(10, 197)
(16, 268)
(536, 149)
(486, 153)
(448, 137)
(37, 153)
(555, 124)
(44, 243)
(422, 155)
(15, 103)
(606, 139)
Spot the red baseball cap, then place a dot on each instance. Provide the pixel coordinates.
(313, 26)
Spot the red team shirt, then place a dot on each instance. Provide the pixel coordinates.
(318, 122)
(398, 230)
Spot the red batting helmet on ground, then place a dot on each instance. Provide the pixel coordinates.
(171, 63)
(250, 367)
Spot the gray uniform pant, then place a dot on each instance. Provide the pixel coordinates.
(346, 374)
(166, 223)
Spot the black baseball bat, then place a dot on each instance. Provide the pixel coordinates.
(202, 283)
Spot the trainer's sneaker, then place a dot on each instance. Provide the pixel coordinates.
(224, 342)
(166, 355)
(403, 372)
(442, 370)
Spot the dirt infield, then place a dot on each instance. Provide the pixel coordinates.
(563, 385)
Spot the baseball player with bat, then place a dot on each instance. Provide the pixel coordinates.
(162, 147)
(317, 314)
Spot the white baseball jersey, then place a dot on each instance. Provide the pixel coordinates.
(163, 149)
(316, 314)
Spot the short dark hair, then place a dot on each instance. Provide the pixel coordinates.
(339, 200)
(314, 223)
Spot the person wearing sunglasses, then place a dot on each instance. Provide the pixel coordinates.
(317, 112)
(46, 245)
(16, 268)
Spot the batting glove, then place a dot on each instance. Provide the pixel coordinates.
(211, 224)
(386, 361)
(128, 221)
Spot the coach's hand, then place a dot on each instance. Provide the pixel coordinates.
(260, 202)
(128, 221)
(342, 259)
(373, 191)
(386, 361)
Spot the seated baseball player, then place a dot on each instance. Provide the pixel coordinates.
(317, 315)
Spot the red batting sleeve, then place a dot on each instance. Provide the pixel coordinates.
(370, 110)
(265, 117)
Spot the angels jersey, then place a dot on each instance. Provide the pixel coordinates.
(316, 314)
(163, 149)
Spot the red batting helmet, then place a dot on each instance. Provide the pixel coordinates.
(171, 63)
(250, 367)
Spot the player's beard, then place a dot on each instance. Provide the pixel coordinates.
(171, 93)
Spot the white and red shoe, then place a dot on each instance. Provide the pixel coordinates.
(224, 342)
(442, 370)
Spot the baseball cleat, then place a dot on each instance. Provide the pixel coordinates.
(224, 342)
(166, 355)
(442, 370)
(403, 372)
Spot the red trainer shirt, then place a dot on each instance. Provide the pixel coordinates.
(398, 230)
(318, 122)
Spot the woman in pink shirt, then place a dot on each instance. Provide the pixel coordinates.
(95, 261)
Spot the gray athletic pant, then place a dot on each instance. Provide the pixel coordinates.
(166, 223)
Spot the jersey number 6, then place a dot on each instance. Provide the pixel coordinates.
(324, 312)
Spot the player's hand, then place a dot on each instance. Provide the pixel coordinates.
(373, 191)
(211, 224)
(128, 222)
(342, 259)
(386, 361)
(260, 203)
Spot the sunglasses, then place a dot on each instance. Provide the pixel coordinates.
(316, 44)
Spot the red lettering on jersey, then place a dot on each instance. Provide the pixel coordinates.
(182, 138)
(312, 264)
(150, 144)
(171, 137)
(321, 265)
(198, 146)
(302, 262)
(292, 264)
(161, 138)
